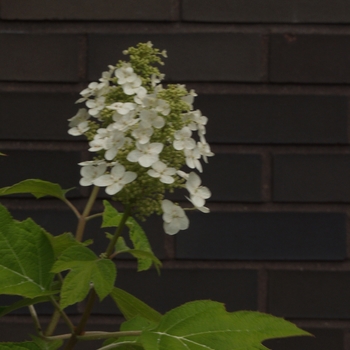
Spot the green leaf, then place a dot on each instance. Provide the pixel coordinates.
(19, 346)
(47, 344)
(4, 310)
(131, 306)
(85, 268)
(26, 257)
(2, 154)
(141, 243)
(206, 325)
(62, 242)
(38, 188)
(111, 217)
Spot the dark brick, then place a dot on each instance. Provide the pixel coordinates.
(275, 118)
(236, 288)
(54, 166)
(147, 10)
(39, 57)
(324, 339)
(311, 178)
(268, 11)
(192, 57)
(233, 177)
(310, 58)
(309, 294)
(264, 236)
(36, 116)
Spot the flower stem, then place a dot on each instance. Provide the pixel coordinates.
(118, 232)
(82, 219)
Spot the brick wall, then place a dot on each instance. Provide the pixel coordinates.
(273, 77)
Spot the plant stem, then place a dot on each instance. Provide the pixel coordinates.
(118, 232)
(74, 209)
(93, 216)
(35, 319)
(82, 219)
(63, 314)
(94, 335)
(80, 328)
(53, 323)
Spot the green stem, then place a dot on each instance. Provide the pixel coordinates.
(63, 314)
(53, 323)
(74, 209)
(118, 232)
(35, 319)
(93, 216)
(80, 328)
(96, 335)
(82, 219)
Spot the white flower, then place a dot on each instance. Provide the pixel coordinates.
(122, 108)
(116, 180)
(189, 98)
(79, 129)
(204, 150)
(161, 171)
(192, 159)
(159, 105)
(91, 172)
(198, 194)
(151, 118)
(183, 139)
(129, 81)
(96, 105)
(81, 116)
(146, 154)
(174, 218)
(197, 121)
(124, 122)
(142, 133)
(99, 140)
(113, 143)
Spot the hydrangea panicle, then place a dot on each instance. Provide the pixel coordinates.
(142, 135)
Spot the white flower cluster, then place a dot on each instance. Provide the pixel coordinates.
(140, 130)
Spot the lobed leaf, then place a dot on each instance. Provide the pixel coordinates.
(130, 306)
(85, 268)
(141, 243)
(207, 325)
(26, 259)
(38, 188)
(111, 217)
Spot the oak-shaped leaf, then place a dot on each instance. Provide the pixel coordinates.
(206, 325)
(26, 258)
(142, 248)
(130, 306)
(85, 268)
(38, 188)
